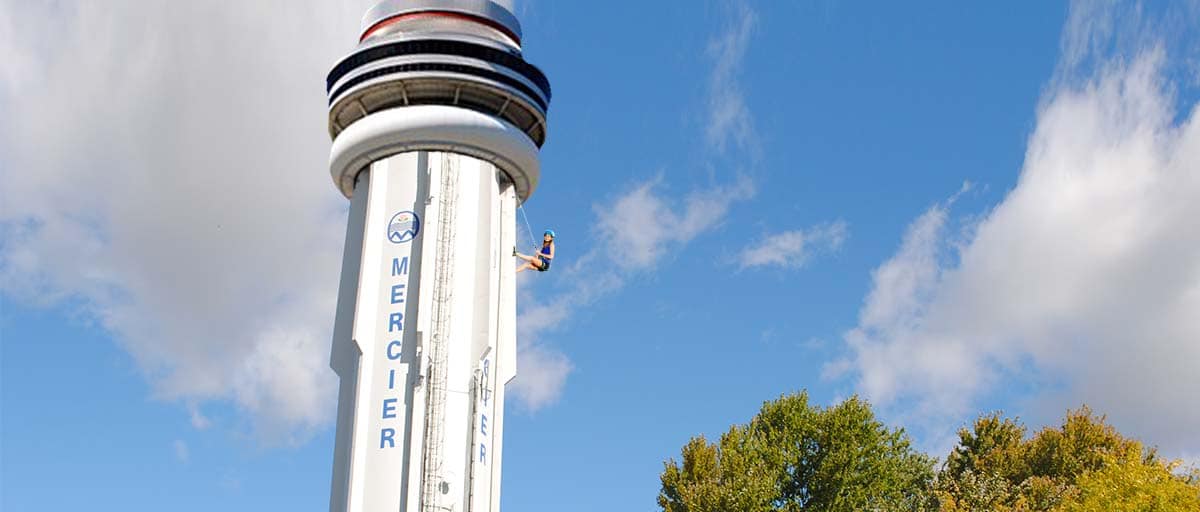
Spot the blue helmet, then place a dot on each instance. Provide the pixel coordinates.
(549, 232)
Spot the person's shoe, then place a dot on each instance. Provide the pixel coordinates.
(514, 251)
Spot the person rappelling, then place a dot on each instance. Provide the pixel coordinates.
(540, 261)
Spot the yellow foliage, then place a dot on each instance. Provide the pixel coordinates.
(1132, 484)
(1083, 465)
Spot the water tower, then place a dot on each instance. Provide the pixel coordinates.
(436, 121)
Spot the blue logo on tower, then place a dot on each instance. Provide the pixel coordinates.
(403, 227)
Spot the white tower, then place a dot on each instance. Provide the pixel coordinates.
(436, 122)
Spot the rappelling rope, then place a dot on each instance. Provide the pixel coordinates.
(528, 230)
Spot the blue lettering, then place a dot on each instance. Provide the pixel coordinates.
(398, 294)
(386, 436)
(389, 408)
(392, 378)
(399, 266)
(396, 322)
(482, 425)
(482, 453)
(396, 355)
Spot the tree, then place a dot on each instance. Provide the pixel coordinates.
(1084, 443)
(717, 477)
(1132, 484)
(1074, 465)
(982, 472)
(794, 456)
(994, 446)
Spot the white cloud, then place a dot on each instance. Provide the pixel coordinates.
(1081, 286)
(164, 172)
(634, 233)
(729, 116)
(640, 227)
(181, 451)
(542, 375)
(814, 344)
(792, 249)
(198, 419)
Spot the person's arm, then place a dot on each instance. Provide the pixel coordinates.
(551, 255)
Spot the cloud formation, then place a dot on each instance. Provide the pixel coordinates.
(190, 215)
(792, 249)
(730, 119)
(164, 175)
(664, 225)
(182, 454)
(1081, 285)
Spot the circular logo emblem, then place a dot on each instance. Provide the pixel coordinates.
(403, 227)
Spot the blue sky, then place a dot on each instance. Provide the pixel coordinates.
(946, 209)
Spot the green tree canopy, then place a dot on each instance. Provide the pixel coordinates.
(794, 456)
(1084, 464)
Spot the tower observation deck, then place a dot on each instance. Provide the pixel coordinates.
(464, 54)
(436, 120)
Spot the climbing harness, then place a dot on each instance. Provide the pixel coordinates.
(534, 243)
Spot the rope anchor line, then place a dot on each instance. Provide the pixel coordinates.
(528, 230)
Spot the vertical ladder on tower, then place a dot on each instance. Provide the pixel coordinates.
(435, 410)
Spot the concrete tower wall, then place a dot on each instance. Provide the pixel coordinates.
(422, 333)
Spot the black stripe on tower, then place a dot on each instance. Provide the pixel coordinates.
(445, 47)
(435, 66)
